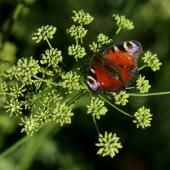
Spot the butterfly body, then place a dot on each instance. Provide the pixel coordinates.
(115, 68)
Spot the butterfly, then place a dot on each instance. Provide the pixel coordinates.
(115, 68)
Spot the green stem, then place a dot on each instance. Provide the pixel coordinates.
(48, 42)
(96, 126)
(14, 147)
(118, 30)
(115, 107)
(33, 146)
(141, 68)
(149, 94)
(47, 81)
(76, 97)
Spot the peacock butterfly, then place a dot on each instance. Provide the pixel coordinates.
(115, 68)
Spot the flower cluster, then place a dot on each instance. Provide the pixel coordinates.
(82, 17)
(30, 125)
(25, 70)
(51, 57)
(102, 39)
(77, 32)
(96, 108)
(14, 107)
(151, 60)
(121, 98)
(108, 144)
(143, 117)
(77, 51)
(48, 106)
(71, 81)
(122, 22)
(44, 33)
(3, 88)
(142, 84)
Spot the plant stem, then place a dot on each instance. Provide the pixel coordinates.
(141, 68)
(76, 97)
(15, 146)
(149, 94)
(47, 81)
(115, 107)
(96, 126)
(48, 42)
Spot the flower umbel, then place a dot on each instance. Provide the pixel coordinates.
(96, 108)
(77, 32)
(143, 117)
(51, 57)
(122, 22)
(25, 69)
(77, 51)
(62, 114)
(108, 144)
(142, 85)
(14, 107)
(82, 17)
(121, 98)
(30, 125)
(102, 39)
(151, 60)
(71, 81)
(3, 88)
(44, 33)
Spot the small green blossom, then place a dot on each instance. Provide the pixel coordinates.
(17, 91)
(143, 117)
(142, 85)
(81, 17)
(44, 33)
(122, 22)
(71, 81)
(151, 60)
(94, 47)
(108, 144)
(77, 51)
(30, 125)
(14, 107)
(25, 69)
(51, 57)
(102, 39)
(3, 88)
(121, 98)
(96, 108)
(62, 114)
(77, 32)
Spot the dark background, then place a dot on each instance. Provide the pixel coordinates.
(72, 147)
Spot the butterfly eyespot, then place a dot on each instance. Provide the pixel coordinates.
(132, 46)
(92, 83)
